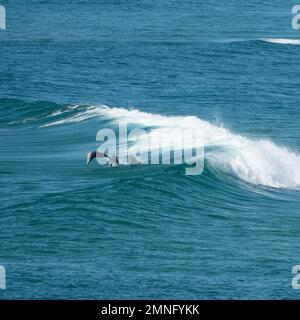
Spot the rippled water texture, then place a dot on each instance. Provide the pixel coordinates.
(72, 230)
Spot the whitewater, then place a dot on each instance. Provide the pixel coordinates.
(255, 161)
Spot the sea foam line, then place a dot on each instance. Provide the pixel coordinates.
(282, 41)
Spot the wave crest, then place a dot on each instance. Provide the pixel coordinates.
(259, 162)
(282, 41)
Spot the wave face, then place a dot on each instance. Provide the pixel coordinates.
(139, 220)
(254, 161)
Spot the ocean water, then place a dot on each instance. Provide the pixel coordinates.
(75, 231)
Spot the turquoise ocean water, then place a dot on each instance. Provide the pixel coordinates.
(74, 231)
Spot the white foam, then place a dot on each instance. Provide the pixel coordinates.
(255, 161)
(282, 41)
(258, 162)
(90, 112)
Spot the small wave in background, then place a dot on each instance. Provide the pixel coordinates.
(295, 42)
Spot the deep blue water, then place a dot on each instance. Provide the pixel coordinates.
(74, 231)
